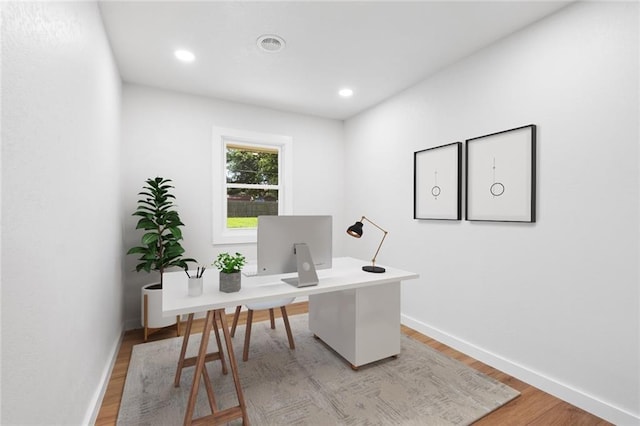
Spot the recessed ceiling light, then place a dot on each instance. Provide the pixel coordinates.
(184, 55)
(346, 92)
(270, 43)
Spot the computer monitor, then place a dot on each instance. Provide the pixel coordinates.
(294, 244)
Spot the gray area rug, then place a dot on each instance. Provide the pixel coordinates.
(311, 385)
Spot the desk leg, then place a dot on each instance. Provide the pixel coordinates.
(183, 351)
(234, 366)
(187, 362)
(220, 352)
(207, 385)
(202, 354)
(216, 416)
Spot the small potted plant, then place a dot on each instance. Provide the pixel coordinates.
(230, 267)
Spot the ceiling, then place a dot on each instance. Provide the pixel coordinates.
(375, 48)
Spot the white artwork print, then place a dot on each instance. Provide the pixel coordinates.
(436, 183)
(499, 176)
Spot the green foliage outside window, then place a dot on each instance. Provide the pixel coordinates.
(246, 168)
(242, 222)
(252, 167)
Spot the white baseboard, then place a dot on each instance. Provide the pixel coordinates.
(573, 396)
(96, 401)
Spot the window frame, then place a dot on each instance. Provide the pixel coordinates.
(223, 136)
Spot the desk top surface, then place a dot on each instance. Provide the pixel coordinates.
(345, 274)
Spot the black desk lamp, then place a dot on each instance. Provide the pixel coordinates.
(355, 230)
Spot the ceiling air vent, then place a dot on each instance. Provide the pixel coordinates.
(271, 43)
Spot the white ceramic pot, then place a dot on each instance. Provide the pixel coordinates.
(195, 286)
(154, 307)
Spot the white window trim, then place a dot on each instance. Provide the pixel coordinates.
(222, 234)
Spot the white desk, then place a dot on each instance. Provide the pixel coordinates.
(357, 313)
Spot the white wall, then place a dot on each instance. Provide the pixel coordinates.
(555, 302)
(170, 135)
(61, 214)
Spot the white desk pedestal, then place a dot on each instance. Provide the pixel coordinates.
(362, 324)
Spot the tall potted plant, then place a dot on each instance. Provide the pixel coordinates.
(160, 246)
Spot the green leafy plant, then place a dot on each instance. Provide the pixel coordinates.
(161, 248)
(229, 263)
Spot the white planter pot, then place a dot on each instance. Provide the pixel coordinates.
(154, 308)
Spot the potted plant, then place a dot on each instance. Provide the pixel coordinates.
(160, 248)
(230, 267)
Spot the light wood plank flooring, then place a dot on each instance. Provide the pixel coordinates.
(532, 407)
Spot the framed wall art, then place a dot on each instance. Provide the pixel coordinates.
(437, 182)
(501, 176)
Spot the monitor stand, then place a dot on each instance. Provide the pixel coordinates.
(306, 269)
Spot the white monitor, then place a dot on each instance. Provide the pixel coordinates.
(294, 244)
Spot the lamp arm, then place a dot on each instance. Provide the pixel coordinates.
(373, 261)
(369, 220)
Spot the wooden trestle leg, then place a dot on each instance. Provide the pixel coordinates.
(216, 416)
(188, 362)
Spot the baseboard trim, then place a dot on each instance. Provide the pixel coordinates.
(571, 395)
(96, 401)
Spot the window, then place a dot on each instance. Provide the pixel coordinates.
(251, 177)
(252, 183)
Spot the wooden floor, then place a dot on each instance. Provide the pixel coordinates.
(532, 407)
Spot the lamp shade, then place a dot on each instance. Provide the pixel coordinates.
(355, 230)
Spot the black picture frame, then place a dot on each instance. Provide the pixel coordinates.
(500, 176)
(437, 182)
